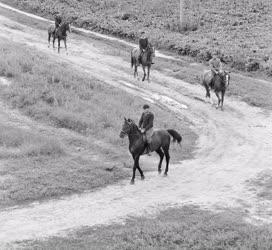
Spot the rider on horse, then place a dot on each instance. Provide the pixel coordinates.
(146, 126)
(143, 45)
(215, 66)
(58, 20)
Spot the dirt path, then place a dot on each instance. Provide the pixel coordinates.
(234, 146)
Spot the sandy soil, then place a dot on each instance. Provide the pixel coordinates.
(233, 146)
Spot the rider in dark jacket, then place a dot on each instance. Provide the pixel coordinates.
(146, 125)
(58, 20)
(143, 45)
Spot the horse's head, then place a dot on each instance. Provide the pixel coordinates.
(128, 126)
(68, 27)
(64, 27)
(150, 52)
(222, 78)
(226, 78)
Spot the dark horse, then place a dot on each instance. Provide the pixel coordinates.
(60, 33)
(145, 60)
(160, 143)
(218, 83)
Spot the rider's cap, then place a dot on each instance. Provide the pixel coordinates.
(146, 106)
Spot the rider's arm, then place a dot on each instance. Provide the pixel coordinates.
(141, 121)
(220, 65)
(211, 63)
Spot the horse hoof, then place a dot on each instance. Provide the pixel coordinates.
(142, 178)
(159, 171)
(165, 174)
(132, 182)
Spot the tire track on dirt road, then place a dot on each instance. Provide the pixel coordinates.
(233, 146)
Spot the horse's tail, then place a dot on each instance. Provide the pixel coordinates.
(176, 136)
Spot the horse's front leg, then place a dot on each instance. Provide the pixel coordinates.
(144, 73)
(49, 38)
(208, 95)
(219, 100)
(54, 39)
(136, 162)
(222, 99)
(140, 170)
(65, 44)
(136, 71)
(58, 45)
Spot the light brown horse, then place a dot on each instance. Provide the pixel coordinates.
(160, 143)
(218, 83)
(59, 33)
(145, 60)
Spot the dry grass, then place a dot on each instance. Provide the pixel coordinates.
(239, 30)
(185, 228)
(16, 143)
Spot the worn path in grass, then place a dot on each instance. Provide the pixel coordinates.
(233, 146)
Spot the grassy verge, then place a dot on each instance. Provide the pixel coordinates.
(238, 30)
(34, 168)
(185, 228)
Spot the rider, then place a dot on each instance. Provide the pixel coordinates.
(58, 20)
(143, 44)
(146, 126)
(215, 66)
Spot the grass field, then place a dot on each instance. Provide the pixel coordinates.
(238, 30)
(37, 166)
(184, 228)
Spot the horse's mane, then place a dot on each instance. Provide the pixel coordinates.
(221, 77)
(133, 124)
(63, 28)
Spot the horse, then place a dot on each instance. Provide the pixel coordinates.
(145, 60)
(219, 83)
(137, 144)
(60, 33)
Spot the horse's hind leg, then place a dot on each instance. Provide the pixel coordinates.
(161, 154)
(65, 44)
(167, 156)
(148, 73)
